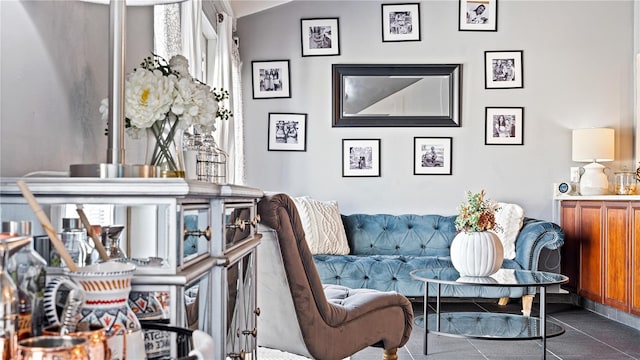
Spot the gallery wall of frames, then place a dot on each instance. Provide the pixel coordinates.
(503, 70)
(397, 97)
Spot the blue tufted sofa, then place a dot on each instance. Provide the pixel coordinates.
(386, 248)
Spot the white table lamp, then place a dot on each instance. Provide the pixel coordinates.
(593, 146)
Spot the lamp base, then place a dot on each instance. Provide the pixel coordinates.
(107, 171)
(594, 181)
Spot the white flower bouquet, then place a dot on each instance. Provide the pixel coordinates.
(164, 99)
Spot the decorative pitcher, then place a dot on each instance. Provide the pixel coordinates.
(106, 286)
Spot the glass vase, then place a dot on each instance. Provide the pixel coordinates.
(164, 147)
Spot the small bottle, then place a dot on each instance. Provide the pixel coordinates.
(75, 240)
(28, 270)
(24, 315)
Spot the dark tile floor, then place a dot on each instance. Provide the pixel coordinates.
(587, 336)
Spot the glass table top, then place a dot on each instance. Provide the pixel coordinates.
(503, 277)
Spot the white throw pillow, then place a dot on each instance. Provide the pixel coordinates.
(510, 218)
(322, 226)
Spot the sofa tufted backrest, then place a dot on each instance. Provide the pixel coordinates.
(383, 234)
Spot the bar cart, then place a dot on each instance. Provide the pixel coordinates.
(194, 245)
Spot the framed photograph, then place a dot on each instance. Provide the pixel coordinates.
(400, 22)
(432, 155)
(478, 15)
(504, 126)
(287, 132)
(320, 37)
(503, 69)
(271, 79)
(360, 157)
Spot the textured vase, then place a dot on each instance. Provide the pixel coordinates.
(476, 253)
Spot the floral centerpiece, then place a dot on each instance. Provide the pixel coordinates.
(163, 99)
(477, 213)
(475, 251)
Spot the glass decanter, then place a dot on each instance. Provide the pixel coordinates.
(8, 308)
(111, 241)
(28, 269)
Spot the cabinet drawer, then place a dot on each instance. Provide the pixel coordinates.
(239, 223)
(195, 233)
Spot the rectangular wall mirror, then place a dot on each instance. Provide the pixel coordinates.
(396, 95)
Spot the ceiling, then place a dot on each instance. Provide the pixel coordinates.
(247, 7)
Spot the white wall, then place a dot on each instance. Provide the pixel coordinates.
(578, 59)
(54, 65)
(578, 72)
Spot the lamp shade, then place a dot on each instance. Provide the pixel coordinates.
(592, 145)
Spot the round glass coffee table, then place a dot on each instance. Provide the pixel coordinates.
(487, 325)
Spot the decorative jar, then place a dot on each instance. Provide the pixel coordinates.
(625, 183)
(478, 253)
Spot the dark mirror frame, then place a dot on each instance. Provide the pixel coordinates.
(339, 71)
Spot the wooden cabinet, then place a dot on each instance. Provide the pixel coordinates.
(635, 258)
(601, 254)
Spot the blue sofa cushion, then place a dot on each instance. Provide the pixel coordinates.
(417, 235)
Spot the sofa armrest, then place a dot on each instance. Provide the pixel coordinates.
(533, 237)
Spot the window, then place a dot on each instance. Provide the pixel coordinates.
(208, 43)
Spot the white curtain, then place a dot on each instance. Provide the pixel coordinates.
(178, 31)
(226, 75)
(191, 20)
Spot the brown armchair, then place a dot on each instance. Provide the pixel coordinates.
(300, 315)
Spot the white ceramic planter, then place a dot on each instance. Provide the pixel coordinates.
(477, 253)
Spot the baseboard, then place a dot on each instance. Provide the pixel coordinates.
(610, 313)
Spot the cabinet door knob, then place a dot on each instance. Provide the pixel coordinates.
(253, 332)
(257, 311)
(206, 233)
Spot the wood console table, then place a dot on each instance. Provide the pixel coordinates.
(601, 253)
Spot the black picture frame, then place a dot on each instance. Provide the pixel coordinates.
(432, 155)
(320, 36)
(374, 84)
(271, 79)
(503, 69)
(401, 22)
(287, 132)
(360, 157)
(504, 125)
(471, 19)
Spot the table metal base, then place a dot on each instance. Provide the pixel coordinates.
(485, 325)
